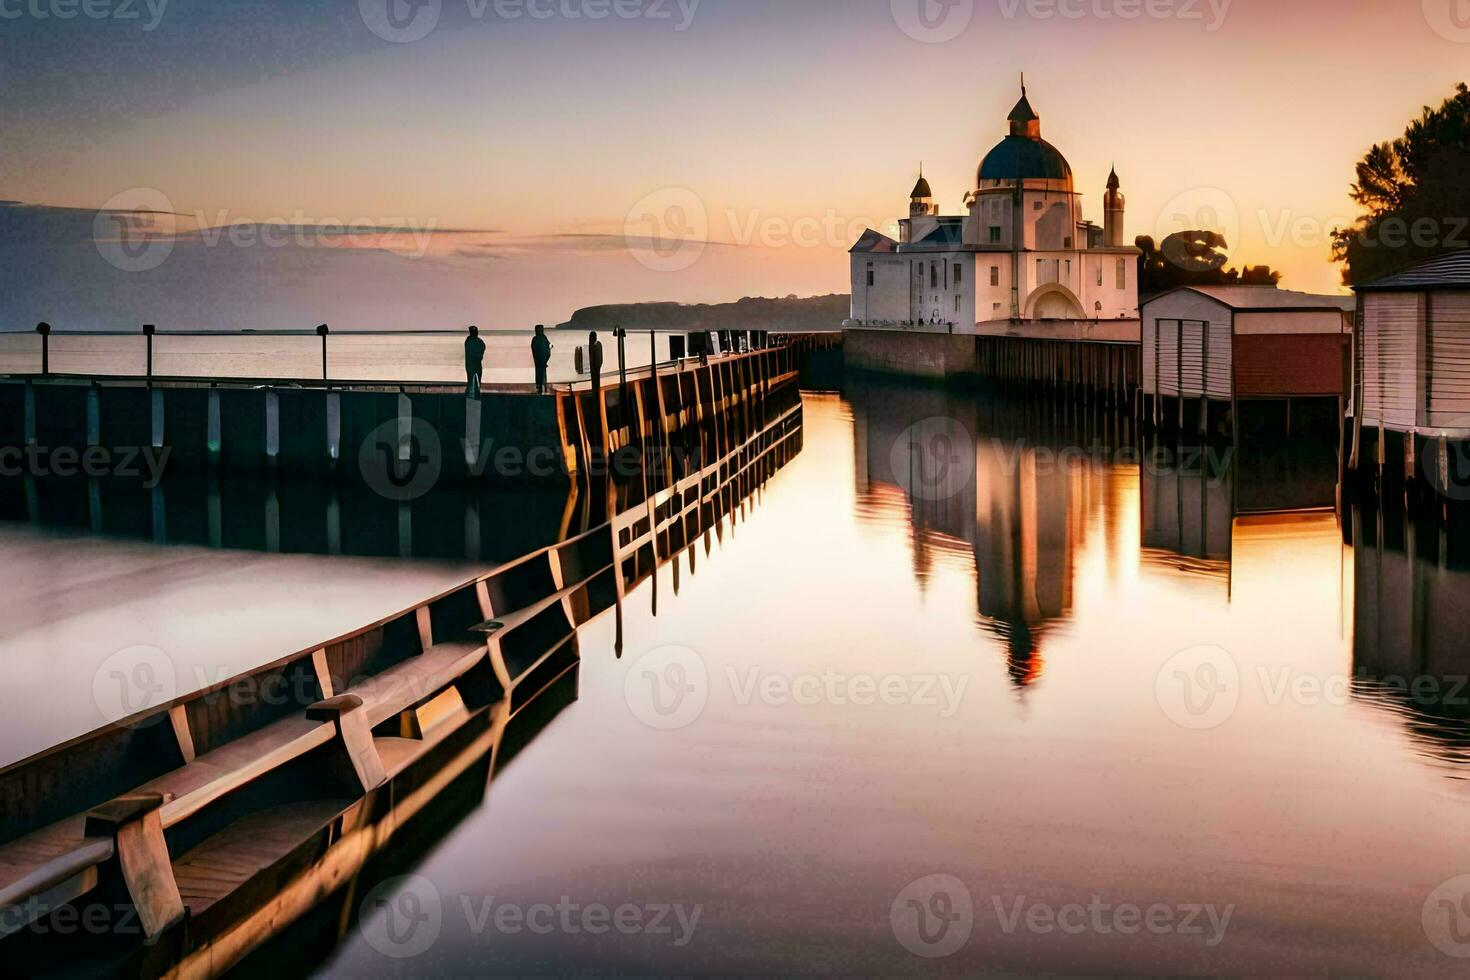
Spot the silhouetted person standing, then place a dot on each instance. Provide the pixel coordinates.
(594, 359)
(474, 361)
(541, 354)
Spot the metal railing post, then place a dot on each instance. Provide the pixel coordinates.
(322, 332)
(148, 329)
(44, 329)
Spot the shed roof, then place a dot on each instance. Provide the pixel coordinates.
(1451, 271)
(1264, 299)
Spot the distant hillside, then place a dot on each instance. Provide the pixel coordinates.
(751, 313)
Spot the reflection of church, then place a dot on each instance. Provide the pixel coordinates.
(1021, 250)
(1017, 519)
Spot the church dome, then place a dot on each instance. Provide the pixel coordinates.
(1024, 155)
(1024, 158)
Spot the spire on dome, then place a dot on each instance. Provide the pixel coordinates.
(1113, 182)
(1023, 119)
(921, 189)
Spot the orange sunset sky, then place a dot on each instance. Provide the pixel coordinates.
(523, 148)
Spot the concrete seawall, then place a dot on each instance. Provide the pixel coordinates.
(239, 427)
(1100, 358)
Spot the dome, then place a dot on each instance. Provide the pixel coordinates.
(1024, 158)
(921, 189)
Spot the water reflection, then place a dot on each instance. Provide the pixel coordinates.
(1411, 598)
(254, 512)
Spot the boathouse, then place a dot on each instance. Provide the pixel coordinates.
(1271, 359)
(1411, 367)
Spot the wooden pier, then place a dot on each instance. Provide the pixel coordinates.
(192, 832)
(509, 434)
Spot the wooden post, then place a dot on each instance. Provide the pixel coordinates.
(354, 736)
(135, 826)
(148, 329)
(44, 329)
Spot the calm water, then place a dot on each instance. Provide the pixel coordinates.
(1066, 687)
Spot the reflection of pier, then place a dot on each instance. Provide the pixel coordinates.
(214, 820)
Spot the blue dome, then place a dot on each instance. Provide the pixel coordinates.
(1024, 158)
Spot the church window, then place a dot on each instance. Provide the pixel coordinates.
(1122, 273)
(956, 304)
(958, 274)
(995, 275)
(1099, 273)
(870, 273)
(933, 275)
(1067, 242)
(995, 234)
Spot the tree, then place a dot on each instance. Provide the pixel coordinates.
(1194, 258)
(1414, 193)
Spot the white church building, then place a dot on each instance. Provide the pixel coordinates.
(1021, 253)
